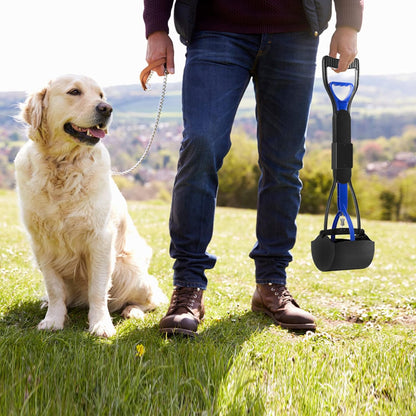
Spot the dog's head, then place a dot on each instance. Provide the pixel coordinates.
(71, 108)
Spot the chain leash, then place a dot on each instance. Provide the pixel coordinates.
(155, 127)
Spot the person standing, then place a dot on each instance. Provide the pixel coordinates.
(230, 42)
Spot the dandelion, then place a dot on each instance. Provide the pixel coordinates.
(140, 350)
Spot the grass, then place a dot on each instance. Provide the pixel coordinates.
(360, 361)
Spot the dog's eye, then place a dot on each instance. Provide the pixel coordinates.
(74, 91)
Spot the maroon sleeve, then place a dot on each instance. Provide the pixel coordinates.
(156, 15)
(349, 13)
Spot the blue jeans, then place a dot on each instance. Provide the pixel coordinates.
(218, 69)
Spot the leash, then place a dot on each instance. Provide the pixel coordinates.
(145, 76)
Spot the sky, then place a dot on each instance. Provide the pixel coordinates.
(104, 39)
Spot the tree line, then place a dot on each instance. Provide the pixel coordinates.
(379, 197)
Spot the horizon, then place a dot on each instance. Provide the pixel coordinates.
(158, 81)
(106, 42)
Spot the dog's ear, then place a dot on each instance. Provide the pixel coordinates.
(31, 112)
(32, 109)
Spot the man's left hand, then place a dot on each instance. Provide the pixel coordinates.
(344, 46)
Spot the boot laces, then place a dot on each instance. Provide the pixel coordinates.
(282, 293)
(184, 298)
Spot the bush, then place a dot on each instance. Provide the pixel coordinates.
(239, 175)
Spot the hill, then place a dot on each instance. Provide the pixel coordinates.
(383, 106)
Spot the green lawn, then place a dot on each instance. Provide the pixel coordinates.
(360, 361)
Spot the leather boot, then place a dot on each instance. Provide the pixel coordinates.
(186, 310)
(275, 301)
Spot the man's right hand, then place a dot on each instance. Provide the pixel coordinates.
(159, 45)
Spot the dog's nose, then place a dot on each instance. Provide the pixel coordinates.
(104, 109)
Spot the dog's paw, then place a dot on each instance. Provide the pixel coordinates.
(51, 324)
(132, 312)
(158, 298)
(103, 328)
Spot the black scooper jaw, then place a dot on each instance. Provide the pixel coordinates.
(330, 253)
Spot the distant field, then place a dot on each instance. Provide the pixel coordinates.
(383, 106)
(360, 361)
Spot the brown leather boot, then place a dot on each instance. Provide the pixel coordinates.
(275, 301)
(185, 312)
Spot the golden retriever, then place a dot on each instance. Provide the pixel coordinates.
(82, 237)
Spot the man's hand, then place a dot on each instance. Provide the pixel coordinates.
(159, 45)
(344, 44)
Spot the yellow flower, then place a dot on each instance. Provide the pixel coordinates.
(140, 350)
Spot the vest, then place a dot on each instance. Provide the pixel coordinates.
(318, 14)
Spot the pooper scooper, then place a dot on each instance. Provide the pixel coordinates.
(346, 247)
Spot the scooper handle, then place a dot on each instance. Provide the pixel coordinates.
(342, 149)
(338, 103)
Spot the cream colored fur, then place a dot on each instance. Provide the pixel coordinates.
(82, 236)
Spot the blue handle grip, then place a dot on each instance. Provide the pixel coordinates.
(328, 62)
(342, 103)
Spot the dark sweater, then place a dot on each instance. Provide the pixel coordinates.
(249, 16)
(252, 16)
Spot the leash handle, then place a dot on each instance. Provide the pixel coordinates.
(145, 74)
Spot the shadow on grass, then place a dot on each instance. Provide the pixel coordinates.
(208, 372)
(23, 315)
(28, 314)
(178, 376)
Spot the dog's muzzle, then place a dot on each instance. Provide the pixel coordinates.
(91, 135)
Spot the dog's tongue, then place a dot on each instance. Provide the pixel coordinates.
(97, 132)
